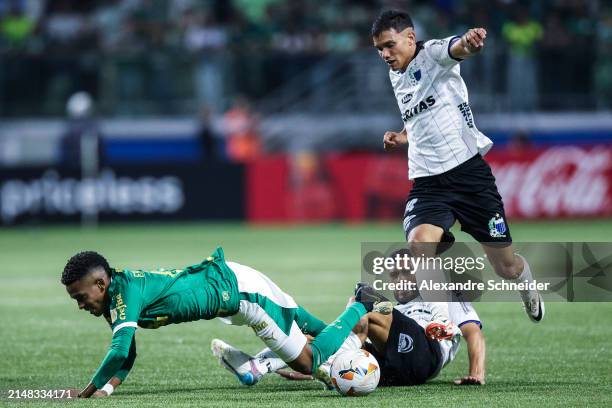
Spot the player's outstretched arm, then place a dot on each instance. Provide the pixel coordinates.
(476, 355)
(117, 356)
(471, 43)
(392, 140)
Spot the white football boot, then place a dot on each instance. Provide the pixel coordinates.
(534, 306)
(237, 362)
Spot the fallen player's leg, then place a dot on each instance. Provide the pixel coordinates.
(277, 319)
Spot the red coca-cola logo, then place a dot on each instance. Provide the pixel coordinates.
(560, 181)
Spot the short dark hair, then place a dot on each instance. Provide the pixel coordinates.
(391, 19)
(81, 264)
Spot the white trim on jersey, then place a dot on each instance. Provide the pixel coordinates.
(460, 311)
(124, 324)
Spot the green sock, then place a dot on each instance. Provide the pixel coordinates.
(332, 337)
(308, 323)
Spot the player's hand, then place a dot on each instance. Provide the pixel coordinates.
(470, 380)
(293, 375)
(350, 301)
(391, 140)
(440, 330)
(473, 39)
(87, 391)
(99, 394)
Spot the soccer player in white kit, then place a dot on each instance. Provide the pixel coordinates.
(452, 182)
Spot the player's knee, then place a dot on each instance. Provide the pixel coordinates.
(424, 234)
(423, 240)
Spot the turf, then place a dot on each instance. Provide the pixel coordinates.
(47, 343)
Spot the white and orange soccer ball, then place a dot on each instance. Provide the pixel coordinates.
(355, 373)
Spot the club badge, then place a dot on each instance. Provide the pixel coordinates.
(414, 74)
(405, 343)
(497, 227)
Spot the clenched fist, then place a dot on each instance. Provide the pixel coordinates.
(473, 39)
(391, 140)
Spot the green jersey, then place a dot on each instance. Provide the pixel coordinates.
(150, 299)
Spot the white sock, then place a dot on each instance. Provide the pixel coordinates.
(267, 361)
(525, 276)
(266, 353)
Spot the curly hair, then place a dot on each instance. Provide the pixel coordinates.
(391, 19)
(80, 264)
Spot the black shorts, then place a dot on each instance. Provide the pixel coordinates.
(410, 358)
(467, 194)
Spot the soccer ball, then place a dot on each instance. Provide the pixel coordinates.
(355, 373)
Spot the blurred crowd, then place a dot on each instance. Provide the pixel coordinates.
(190, 25)
(293, 26)
(532, 38)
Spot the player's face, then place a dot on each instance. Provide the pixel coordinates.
(89, 293)
(397, 49)
(403, 296)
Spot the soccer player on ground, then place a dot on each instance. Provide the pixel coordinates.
(399, 341)
(452, 182)
(213, 288)
(406, 359)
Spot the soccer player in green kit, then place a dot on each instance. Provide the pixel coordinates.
(213, 288)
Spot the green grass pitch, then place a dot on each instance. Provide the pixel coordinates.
(46, 342)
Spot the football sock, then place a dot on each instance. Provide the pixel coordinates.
(267, 361)
(332, 337)
(308, 323)
(525, 276)
(266, 353)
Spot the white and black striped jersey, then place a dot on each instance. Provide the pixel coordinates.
(433, 100)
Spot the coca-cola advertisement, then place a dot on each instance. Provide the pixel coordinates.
(567, 181)
(554, 182)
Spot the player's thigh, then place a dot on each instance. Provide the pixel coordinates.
(478, 205)
(428, 218)
(269, 311)
(482, 216)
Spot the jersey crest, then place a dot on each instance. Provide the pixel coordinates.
(497, 227)
(414, 74)
(405, 344)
